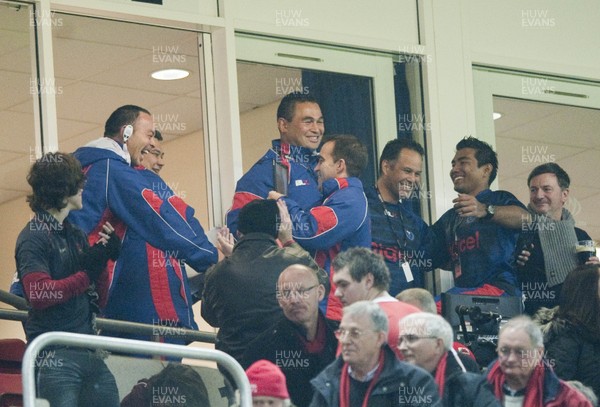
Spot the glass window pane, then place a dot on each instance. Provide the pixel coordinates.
(103, 64)
(18, 146)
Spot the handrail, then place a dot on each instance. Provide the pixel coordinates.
(14, 300)
(113, 325)
(128, 346)
(110, 325)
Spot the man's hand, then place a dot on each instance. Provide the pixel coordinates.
(524, 256)
(225, 241)
(110, 241)
(274, 195)
(593, 260)
(467, 205)
(285, 223)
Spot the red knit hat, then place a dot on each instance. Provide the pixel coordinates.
(267, 380)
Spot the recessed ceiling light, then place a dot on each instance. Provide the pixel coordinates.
(170, 74)
(496, 115)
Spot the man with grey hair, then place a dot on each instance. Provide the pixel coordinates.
(367, 372)
(362, 275)
(423, 300)
(420, 298)
(521, 377)
(426, 341)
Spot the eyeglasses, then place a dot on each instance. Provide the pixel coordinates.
(287, 295)
(157, 153)
(354, 333)
(505, 352)
(410, 339)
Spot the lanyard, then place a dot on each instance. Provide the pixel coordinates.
(389, 215)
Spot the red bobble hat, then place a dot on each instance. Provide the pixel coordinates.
(267, 380)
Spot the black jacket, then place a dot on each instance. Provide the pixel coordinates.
(283, 346)
(532, 276)
(400, 384)
(240, 292)
(466, 389)
(572, 350)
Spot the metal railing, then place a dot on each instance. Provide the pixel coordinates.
(128, 346)
(111, 325)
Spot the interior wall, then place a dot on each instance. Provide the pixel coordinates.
(552, 36)
(259, 127)
(392, 25)
(181, 154)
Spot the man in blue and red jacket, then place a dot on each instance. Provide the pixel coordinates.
(291, 161)
(158, 230)
(342, 219)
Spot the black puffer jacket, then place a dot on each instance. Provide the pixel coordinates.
(466, 389)
(572, 349)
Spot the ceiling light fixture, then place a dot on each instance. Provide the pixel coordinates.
(496, 115)
(170, 74)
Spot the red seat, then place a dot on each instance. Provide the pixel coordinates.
(11, 390)
(11, 355)
(11, 387)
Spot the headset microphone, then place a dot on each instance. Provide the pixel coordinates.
(127, 132)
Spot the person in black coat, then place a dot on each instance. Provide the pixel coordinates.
(572, 330)
(303, 342)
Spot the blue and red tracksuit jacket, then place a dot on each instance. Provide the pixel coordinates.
(157, 230)
(303, 187)
(339, 223)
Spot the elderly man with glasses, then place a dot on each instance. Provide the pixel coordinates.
(302, 342)
(426, 341)
(522, 377)
(368, 373)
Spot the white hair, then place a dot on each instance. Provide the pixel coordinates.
(432, 325)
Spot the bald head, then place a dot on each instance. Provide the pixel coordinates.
(299, 293)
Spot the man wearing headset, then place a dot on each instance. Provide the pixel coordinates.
(157, 228)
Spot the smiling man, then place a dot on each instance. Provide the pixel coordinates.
(341, 221)
(302, 342)
(289, 166)
(397, 232)
(153, 156)
(550, 239)
(158, 230)
(476, 238)
(367, 372)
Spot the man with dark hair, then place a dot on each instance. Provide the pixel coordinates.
(302, 342)
(152, 157)
(341, 221)
(397, 232)
(63, 280)
(239, 292)
(157, 228)
(476, 239)
(367, 373)
(361, 275)
(289, 166)
(549, 240)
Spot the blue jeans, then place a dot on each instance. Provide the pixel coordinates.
(72, 377)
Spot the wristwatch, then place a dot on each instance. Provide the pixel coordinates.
(490, 210)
